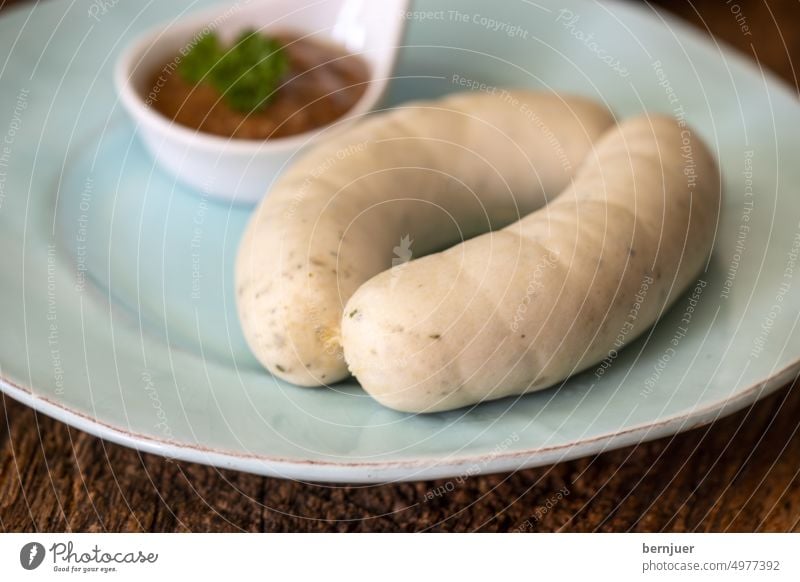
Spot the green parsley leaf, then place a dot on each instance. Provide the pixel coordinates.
(245, 74)
(195, 65)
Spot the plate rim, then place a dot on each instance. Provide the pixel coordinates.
(422, 468)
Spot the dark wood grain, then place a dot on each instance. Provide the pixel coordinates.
(738, 474)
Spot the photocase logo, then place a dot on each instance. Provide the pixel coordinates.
(31, 555)
(402, 255)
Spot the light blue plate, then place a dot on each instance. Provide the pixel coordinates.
(116, 297)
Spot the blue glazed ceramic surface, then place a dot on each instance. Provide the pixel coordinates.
(116, 297)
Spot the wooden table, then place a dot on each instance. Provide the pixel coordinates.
(739, 474)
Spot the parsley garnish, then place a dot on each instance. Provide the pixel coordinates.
(245, 74)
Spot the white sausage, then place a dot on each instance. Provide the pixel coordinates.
(523, 308)
(432, 172)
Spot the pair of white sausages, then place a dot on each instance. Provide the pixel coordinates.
(324, 289)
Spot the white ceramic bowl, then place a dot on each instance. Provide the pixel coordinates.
(241, 169)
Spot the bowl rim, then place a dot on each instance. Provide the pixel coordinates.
(131, 55)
